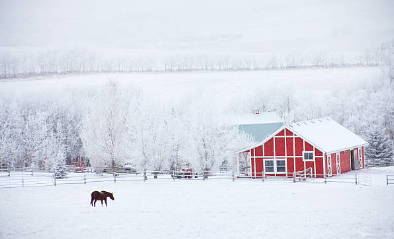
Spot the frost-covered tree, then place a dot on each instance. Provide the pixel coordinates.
(105, 127)
(55, 152)
(33, 134)
(380, 149)
(177, 138)
(10, 133)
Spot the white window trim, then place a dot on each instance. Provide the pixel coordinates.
(308, 160)
(275, 166)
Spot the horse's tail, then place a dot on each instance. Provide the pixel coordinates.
(92, 199)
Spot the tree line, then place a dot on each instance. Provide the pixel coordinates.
(112, 127)
(15, 63)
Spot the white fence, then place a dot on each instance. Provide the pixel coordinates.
(12, 179)
(389, 179)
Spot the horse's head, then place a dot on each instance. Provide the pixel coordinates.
(110, 195)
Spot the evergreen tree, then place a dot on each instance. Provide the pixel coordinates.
(59, 165)
(380, 149)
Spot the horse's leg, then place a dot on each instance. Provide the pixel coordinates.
(95, 200)
(102, 203)
(91, 201)
(105, 200)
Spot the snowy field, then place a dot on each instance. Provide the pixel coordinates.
(203, 209)
(220, 88)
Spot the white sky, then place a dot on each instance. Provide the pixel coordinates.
(201, 25)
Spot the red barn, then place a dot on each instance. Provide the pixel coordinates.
(318, 148)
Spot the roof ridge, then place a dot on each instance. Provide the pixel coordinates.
(312, 121)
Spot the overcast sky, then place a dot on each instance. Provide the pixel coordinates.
(221, 25)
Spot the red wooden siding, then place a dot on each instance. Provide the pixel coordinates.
(281, 133)
(288, 132)
(308, 147)
(299, 164)
(318, 153)
(258, 151)
(289, 146)
(334, 164)
(280, 146)
(319, 166)
(259, 167)
(269, 148)
(345, 161)
(290, 164)
(299, 145)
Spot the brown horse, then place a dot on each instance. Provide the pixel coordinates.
(102, 196)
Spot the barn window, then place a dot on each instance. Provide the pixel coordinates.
(308, 156)
(269, 166)
(275, 166)
(280, 166)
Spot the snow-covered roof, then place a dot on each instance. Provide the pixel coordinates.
(327, 135)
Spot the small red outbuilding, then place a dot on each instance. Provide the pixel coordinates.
(317, 148)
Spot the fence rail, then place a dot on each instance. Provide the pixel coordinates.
(389, 179)
(12, 179)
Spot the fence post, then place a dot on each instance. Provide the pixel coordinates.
(262, 175)
(294, 176)
(23, 182)
(205, 175)
(114, 177)
(325, 179)
(355, 178)
(54, 180)
(387, 180)
(84, 179)
(233, 176)
(145, 177)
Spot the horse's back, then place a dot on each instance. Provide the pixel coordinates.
(95, 194)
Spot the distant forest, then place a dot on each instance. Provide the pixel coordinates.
(15, 62)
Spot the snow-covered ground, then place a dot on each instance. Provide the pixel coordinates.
(204, 209)
(218, 89)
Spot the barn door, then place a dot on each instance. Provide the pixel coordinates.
(355, 163)
(356, 159)
(329, 166)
